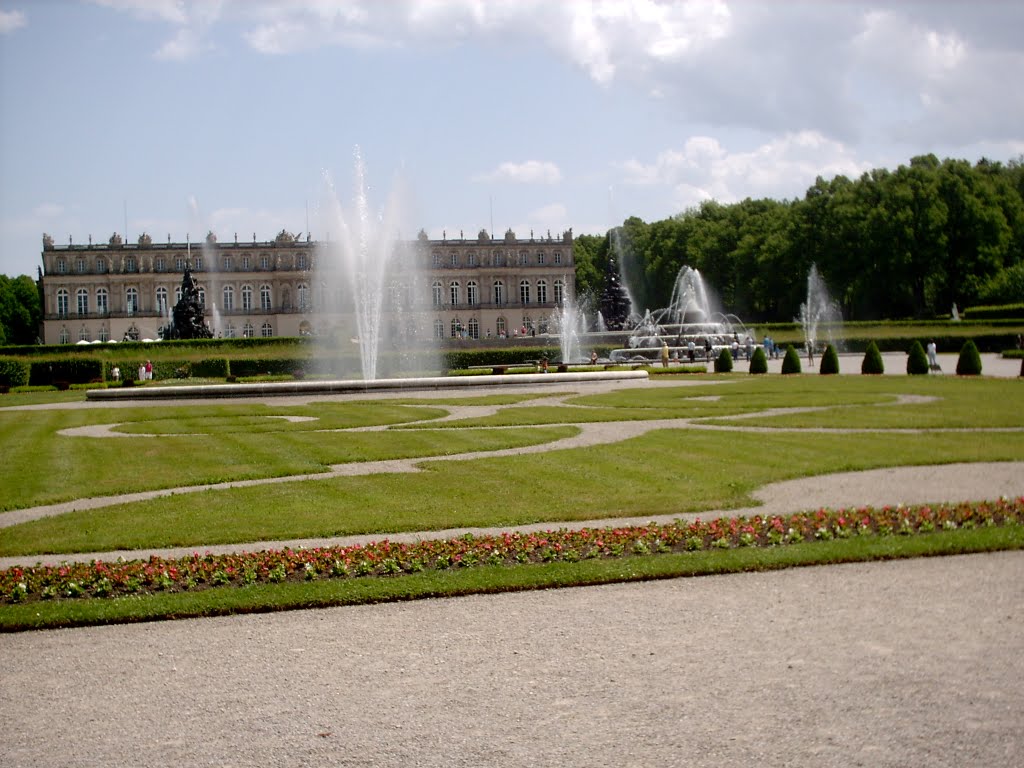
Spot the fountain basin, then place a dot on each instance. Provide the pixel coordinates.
(345, 386)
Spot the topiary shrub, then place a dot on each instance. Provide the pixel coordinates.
(791, 360)
(917, 360)
(872, 364)
(829, 361)
(723, 363)
(969, 362)
(13, 373)
(758, 361)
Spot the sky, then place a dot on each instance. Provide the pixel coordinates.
(179, 117)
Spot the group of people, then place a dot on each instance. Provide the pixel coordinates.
(145, 372)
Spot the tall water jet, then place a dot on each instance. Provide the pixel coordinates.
(571, 327)
(819, 313)
(371, 285)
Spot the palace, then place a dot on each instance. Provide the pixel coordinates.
(448, 288)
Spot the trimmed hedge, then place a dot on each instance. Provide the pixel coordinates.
(1015, 311)
(13, 373)
(67, 370)
(917, 360)
(872, 364)
(829, 361)
(791, 361)
(969, 362)
(723, 363)
(758, 361)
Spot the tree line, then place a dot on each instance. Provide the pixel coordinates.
(891, 244)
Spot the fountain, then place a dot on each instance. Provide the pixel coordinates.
(571, 325)
(689, 319)
(187, 317)
(818, 312)
(372, 291)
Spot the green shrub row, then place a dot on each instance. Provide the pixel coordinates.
(64, 370)
(1015, 311)
(13, 372)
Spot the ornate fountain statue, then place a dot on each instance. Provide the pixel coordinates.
(187, 316)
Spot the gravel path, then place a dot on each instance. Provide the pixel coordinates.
(914, 663)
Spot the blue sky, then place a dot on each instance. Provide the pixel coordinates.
(175, 117)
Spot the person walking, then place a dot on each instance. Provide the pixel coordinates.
(933, 359)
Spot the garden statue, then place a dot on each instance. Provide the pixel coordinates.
(187, 315)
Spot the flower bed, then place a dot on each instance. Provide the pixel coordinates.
(384, 558)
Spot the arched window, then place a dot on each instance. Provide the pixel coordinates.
(104, 334)
(63, 297)
(65, 337)
(83, 334)
(559, 291)
(471, 298)
(229, 331)
(524, 291)
(161, 300)
(437, 289)
(267, 330)
(102, 303)
(500, 328)
(453, 292)
(131, 300)
(499, 292)
(247, 298)
(247, 330)
(227, 298)
(302, 294)
(286, 298)
(265, 302)
(438, 329)
(456, 328)
(542, 291)
(82, 301)
(474, 328)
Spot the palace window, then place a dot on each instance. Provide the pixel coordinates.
(202, 296)
(437, 290)
(437, 259)
(80, 265)
(131, 300)
(499, 292)
(179, 264)
(267, 330)
(161, 300)
(264, 261)
(455, 259)
(229, 331)
(247, 298)
(130, 265)
(540, 258)
(474, 328)
(438, 329)
(82, 300)
(104, 334)
(65, 337)
(159, 265)
(471, 292)
(101, 265)
(453, 292)
(265, 302)
(83, 334)
(246, 263)
(300, 261)
(471, 259)
(559, 291)
(102, 303)
(247, 330)
(499, 327)
(456, 328)
(227, 263)
(63, 298)
(524, 291)
(228, 298)
(197, 263)
(542, 291)
(62, 267)
(558, 258)
(302, 293)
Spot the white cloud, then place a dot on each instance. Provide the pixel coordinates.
(11, 20)
(529, 172)
(781, 168)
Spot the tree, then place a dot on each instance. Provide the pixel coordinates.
(969, 362)
(829, 361)
(872, 363)
(21, 310)
(791, 360)
(758, 361)
(917, 360)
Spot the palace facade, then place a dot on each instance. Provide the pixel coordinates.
(444, 289)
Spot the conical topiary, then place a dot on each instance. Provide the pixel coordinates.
(917, 361)
(969, 362)
(872, 363)
(791, 361)
(758, 362)
(723, 363)
(829, 361)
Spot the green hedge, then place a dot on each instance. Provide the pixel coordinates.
(67, 370)
(13, 373)
(1015, 311)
